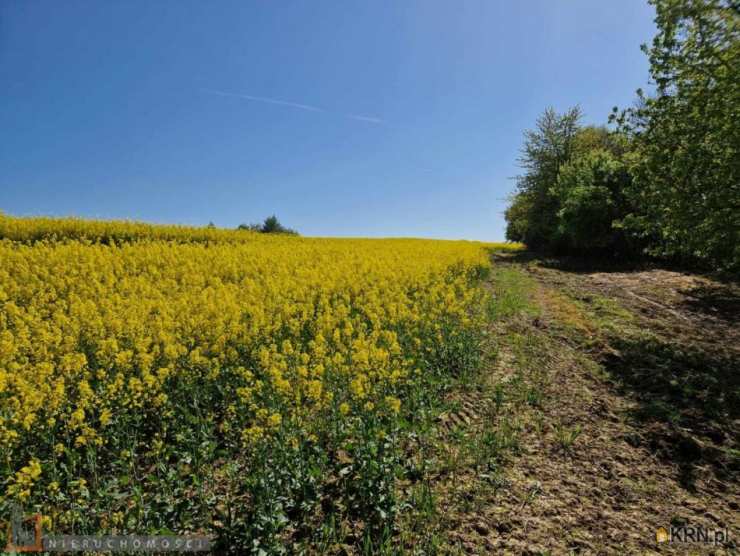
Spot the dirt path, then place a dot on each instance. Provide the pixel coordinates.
(625, 408)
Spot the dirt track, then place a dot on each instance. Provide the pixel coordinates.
(638, 426)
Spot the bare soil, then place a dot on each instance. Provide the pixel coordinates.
(629, 421)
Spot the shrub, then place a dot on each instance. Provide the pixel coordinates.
(591, 194)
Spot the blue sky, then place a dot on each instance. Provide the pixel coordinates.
(373, 118)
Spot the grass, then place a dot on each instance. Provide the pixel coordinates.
(470, 460)
(546, 324)
(566, 436)
(512, 291)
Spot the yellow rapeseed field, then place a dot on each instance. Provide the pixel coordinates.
(125, 346)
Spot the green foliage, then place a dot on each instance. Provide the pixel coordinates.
(591, 194)
(687, 172)
(271, 225)
(566, 436)
(512, 294)
(533, 218)
(668, 180)
(517, 216)
(572, 196)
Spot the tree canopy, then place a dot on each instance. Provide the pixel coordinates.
(666, 179)
(271, 225)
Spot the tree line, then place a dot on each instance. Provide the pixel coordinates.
(271, 225)
(663, 179)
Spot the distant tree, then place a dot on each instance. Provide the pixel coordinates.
(591, 190)
(668, 179)
(545, 149)
(271, 225)
(211, 225)
(572, 196)
(517, 216)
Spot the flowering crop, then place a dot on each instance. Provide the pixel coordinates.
(138, 359)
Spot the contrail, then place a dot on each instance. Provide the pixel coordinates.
(300, 106)
(370, 119)
(267, 100)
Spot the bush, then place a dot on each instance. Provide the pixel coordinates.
(271, 225)
(572, 196)
(591, 195)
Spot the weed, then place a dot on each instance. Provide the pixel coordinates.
(566, 436)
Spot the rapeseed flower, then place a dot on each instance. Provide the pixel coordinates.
(110, 328)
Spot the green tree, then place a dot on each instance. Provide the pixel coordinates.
(271, 225)
(545, 149)
(517, 216)
(687, 137)
(591, 194)
(572, 197)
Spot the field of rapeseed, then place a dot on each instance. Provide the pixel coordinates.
(252, 387)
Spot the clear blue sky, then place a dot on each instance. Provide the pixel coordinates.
(377, 118)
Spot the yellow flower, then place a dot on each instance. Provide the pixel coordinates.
(34, 469)
(357, 387)
(165, 310)
(393, 403)
(252, 434)
(77, 417)
(21, 484)
(105, 417)
(314, 388)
